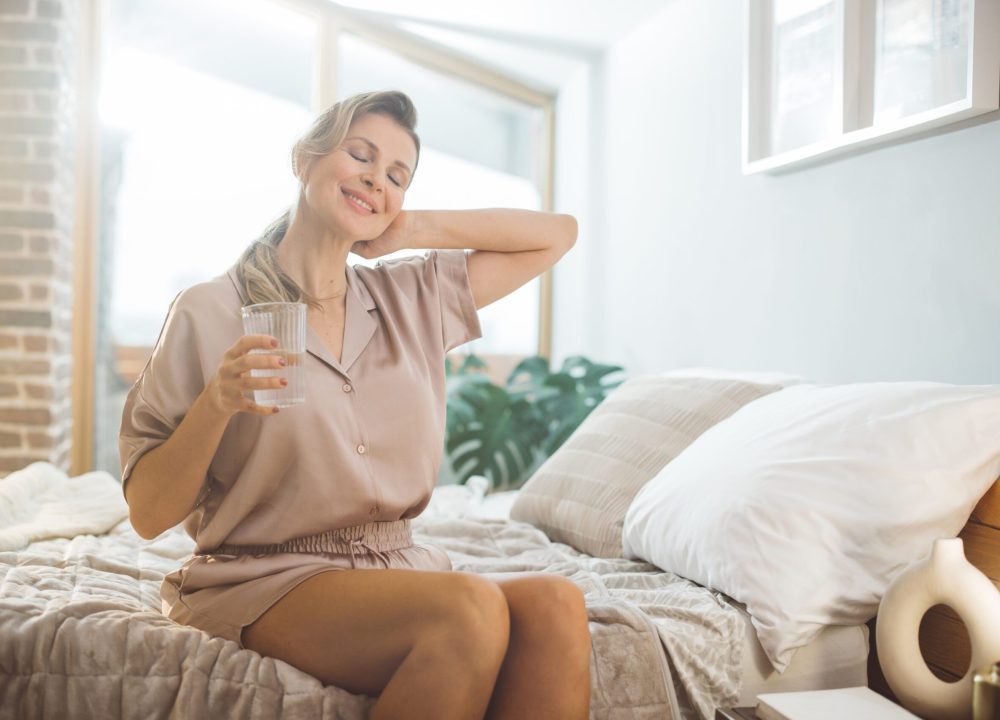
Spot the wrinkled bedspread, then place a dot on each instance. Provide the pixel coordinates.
(81, 634)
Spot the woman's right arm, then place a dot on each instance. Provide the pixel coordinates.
(166, 481)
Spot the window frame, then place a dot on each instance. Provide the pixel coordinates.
(854, 101)
(332, 20)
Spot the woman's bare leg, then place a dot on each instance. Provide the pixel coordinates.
(546, 672)
(429, 643)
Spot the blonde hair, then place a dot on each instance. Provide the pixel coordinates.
(257, 270)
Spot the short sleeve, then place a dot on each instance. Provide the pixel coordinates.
(435, 287)
(166, 389)
(459, 319)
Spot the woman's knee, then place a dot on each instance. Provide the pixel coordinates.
(554, 604)
(476, 615)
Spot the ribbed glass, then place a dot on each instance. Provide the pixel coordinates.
(287, 323)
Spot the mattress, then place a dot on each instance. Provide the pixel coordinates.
(838, 657)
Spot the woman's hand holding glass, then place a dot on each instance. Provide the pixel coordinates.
(233, 379)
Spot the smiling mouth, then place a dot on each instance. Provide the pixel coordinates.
(358, 202)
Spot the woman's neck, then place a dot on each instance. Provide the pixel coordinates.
(315, 258)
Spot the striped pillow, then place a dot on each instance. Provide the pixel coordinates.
(579, 496)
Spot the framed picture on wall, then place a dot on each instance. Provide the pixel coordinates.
(822, 77)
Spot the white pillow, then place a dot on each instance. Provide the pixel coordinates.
(806, 503)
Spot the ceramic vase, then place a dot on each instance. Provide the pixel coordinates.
(943, 578)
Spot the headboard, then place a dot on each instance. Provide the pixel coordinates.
(944, 640)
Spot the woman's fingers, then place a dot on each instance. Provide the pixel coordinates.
(256, 362)
(251, 342)
(250, 406)
(262, 383)
(234, 377)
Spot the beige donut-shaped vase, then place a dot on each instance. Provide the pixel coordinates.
(944, 578)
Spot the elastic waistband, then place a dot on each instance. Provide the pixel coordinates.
(377, 536)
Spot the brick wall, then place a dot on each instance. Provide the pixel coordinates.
(38, 46)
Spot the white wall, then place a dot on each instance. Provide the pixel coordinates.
(881, 266)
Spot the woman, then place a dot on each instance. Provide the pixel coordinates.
(301, 518)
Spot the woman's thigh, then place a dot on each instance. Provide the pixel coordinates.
(353, 628)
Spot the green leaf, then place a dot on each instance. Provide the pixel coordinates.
(506, 433)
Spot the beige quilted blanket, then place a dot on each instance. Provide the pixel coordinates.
(81, 635)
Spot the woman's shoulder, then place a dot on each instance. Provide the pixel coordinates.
(411, 272)
(208, 298)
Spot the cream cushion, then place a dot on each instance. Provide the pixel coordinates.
(580, 494)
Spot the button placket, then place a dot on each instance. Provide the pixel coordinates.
(362, 449)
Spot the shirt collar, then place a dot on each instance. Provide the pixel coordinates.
(355, 285)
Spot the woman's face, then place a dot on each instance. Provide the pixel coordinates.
(374, 164)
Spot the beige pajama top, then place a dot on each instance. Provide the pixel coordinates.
(365, 448)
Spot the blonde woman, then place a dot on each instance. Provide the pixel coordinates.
(301, 517)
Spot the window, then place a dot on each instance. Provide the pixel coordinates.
(200, 104)
(826, 76)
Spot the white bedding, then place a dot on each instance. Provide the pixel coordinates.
(81, 635)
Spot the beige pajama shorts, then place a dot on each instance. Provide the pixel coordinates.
(228, 589)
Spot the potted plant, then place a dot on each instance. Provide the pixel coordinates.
(506, 433)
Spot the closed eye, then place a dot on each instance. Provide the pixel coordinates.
(364, 160)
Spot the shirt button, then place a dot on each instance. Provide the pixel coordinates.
(347, 388)
(361, 449)
(374, 511)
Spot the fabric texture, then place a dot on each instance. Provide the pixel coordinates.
(41, 501)
(365, 447)
(92, 603)
(580, 494)
(806, 504)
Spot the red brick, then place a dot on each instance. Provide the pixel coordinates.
(10, 464)
(20, 266)
(45, 149)
(40, 244)
(8, 389)
(9, 366)
(40, 196)
(40, 441)
(10, 440)
(36, 343)
(44, 56)
(38, 392)
(27, 416)
(39, 292)
(11, 194)
(12, 148)
(13, 102)
(11, 292)
(49, 9)
(8, 341)
(15, 7)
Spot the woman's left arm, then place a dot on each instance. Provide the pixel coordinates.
(510, 246)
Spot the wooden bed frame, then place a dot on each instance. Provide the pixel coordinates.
(944, 640)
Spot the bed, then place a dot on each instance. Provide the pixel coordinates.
(83, 635)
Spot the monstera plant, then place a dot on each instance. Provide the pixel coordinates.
(506, 433)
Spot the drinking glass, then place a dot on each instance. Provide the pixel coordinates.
(286, 322)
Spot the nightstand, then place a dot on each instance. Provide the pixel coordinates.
(737, 713)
